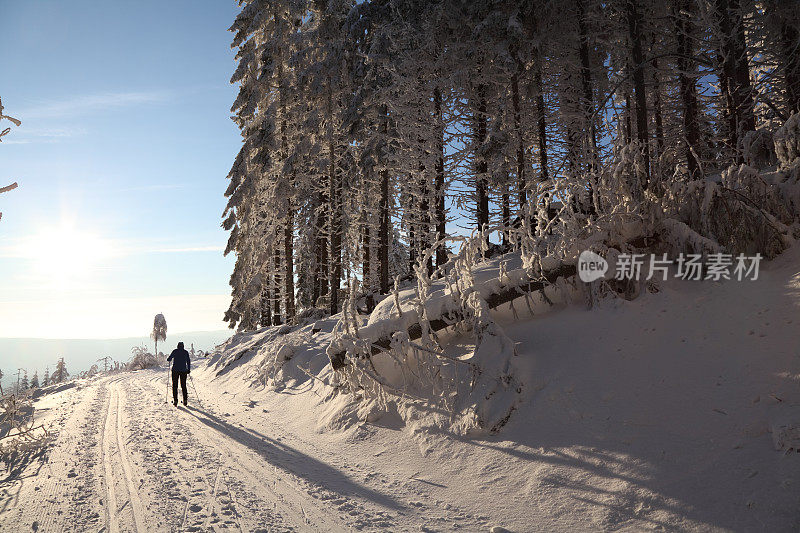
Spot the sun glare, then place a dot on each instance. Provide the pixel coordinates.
(66, 253)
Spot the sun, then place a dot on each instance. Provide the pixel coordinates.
(66, 253)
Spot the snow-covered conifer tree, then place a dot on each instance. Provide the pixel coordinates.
(159, 332)
(60, 373)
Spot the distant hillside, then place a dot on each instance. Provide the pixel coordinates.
(80, 354)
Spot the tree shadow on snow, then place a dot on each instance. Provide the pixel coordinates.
(17, 471)
(294, 461)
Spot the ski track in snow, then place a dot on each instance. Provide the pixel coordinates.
(124, 459)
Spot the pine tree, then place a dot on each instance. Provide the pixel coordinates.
(35, 380)
(60, 374)
(369, 128)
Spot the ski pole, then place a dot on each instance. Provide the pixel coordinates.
(169, 371)
(195, 391)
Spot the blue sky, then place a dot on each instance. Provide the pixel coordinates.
(121, 159)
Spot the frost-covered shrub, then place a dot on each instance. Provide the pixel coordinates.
(142, 359)
(628, 175)
(758, 148)
(740, 226)
(751, 185)
(787, 142)
(787, 182)
(311, 314)
(20, 438)
(736, 215)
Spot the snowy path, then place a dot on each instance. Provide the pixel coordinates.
(126, 460)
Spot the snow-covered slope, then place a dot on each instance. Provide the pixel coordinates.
(678, 410)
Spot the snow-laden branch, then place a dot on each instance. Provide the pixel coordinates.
(496, 293)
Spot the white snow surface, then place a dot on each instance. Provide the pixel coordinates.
(676, 411)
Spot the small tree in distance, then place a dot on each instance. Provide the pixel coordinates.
(159, 332)
(60, 374)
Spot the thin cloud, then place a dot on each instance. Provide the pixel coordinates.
(156, 187)
(44, 135)
(21, 248)
(82, 105)
(189, 249)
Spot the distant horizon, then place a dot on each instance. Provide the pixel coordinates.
(36, 354)
(127, 337)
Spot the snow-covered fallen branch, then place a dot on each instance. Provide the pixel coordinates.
(453, 313)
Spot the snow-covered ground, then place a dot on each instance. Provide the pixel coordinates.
(677, 411)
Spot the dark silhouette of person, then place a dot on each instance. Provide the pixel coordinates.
(181, 366)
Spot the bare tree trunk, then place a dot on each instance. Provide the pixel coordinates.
(441, 251)
(288, 253)
(425, 223)
(628, 113)
(588, 88)
(366, 260)
(544, 172)
(266, 303)
(506, 213)
(686, 80)
(541, 121)
(657, 110)
(336, 213)
(790, 40)
(748, 117)
(383, 247)
(734, 74)
(320, 259)
(642, 134)
(522, 185)
(412, 237)
(276, 306)
(288, 230)
(481, 165)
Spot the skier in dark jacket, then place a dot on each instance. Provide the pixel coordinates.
(181, 366)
